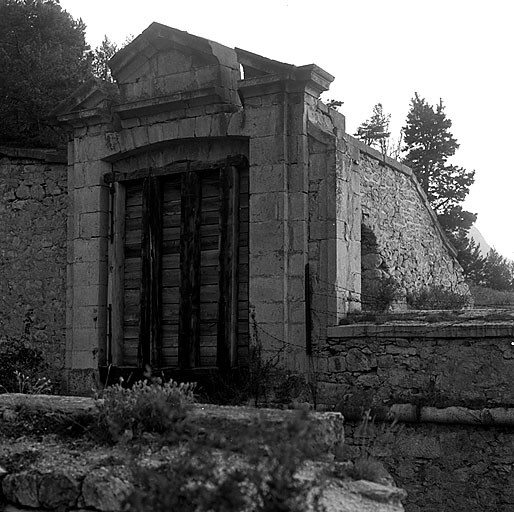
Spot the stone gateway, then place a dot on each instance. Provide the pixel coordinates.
(215, 204)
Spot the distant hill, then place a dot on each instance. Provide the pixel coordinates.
(480, 240)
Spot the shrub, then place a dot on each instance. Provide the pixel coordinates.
(369, 468)
(265, 480)
(22, 367)
(145, 407)
(380, 294)
(436, 297)
(371, 441)
(491, 298)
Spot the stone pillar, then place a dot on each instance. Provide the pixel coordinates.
(88, 222)
(276, 123)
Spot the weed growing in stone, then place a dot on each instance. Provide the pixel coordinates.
(148, 406)
(436, 297)
(371, 440)
(22, 366)
(380, 295)
(32, 385)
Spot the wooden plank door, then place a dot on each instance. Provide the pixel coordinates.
(186, 270)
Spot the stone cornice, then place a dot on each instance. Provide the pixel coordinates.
(44, 155)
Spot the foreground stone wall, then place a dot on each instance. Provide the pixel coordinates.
(447, 458)
(54, 475)
(444, 468)
(33, 209)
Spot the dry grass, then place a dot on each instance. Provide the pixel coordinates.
(487, 297)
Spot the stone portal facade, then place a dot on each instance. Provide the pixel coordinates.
(217, 205)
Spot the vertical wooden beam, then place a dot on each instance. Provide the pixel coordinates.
(190, 257)
(149, 349)
(234, 295)
(308, 317)
(116, 287)
(226, 355)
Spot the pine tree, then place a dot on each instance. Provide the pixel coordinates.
(471, 259)
(101, 56)
(429, 143)
(375, 131)
(498, 272)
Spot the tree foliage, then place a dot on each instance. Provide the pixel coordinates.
(43, 58)
(429, 144)
(375, 131)
(101, 56)
(471, 259)
(492, 271)
(498, 272)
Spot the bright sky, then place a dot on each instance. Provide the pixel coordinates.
(379, 51)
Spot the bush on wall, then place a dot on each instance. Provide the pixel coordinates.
(22, 367)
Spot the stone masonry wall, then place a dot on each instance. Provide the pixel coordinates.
(403, 239)
(444, 464)
(443, 468)
(33, 209)
(464, 364)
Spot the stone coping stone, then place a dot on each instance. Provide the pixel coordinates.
(455, 329)
(232, 422)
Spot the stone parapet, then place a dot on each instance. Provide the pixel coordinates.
(459, 363)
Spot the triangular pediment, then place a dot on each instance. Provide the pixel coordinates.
(165, 67)
(90, 96)
(161, 50)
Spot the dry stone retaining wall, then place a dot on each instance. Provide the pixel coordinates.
(409, 244)
(447, 458)
(33, 210)
(441, 364)
(445, 468)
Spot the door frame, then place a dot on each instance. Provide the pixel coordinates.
(188, 340)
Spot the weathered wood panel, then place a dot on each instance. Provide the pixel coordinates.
(228, 260)
(172, 210)
(203, 276)
(242, 271)
(132, 273)
(149, 349)
(188, 350)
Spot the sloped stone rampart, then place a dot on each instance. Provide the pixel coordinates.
(411, 246)
(33, 212)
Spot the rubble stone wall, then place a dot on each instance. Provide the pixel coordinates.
(458, 364)
(33, 210)
(444, 463)
(443, 468)
(403, 239)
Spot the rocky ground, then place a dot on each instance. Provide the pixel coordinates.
(51, 463)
